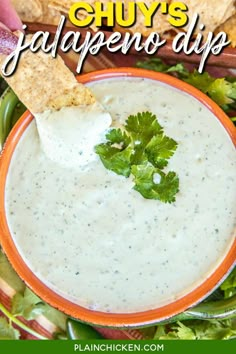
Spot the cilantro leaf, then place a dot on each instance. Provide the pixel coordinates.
(143, 178)
(142, 127)
(8, 274)
(160, 149)
(214, 329)
(143, 150)
(138, 156)
(229, 285)
(220, 91)
(116, 136)
(180, 331)
(145, 183)
(30, 306)
(106, 151)
(8, 332)
(168, 187)
(197, 330)
(56, 317)
(115, 159)
(179, 69)
(27, 305)
(155, 64)
(200, 81)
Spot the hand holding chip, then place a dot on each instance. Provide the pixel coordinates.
(9, 21)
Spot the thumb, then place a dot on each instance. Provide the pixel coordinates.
(9, 16)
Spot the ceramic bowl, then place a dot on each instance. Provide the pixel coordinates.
(72, 309)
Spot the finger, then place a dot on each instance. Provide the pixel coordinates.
(4, 27)
(8, 16)
(8, 41)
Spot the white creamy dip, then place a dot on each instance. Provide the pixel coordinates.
(68, 136)
(91, 238)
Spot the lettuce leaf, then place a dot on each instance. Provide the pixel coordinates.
(229, 285)
(197, 330)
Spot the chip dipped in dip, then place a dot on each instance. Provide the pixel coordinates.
(92, 239)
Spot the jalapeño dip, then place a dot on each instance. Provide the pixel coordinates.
(91, 238)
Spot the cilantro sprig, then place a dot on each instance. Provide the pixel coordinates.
(142, 150)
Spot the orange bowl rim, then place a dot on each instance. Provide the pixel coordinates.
(95, 317)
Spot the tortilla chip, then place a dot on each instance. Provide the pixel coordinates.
(212, 13)
(28, 10)
(49, 15)
(64, 7)
(230, 28)
(44, 83)
(61, 6)
(36, 11)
